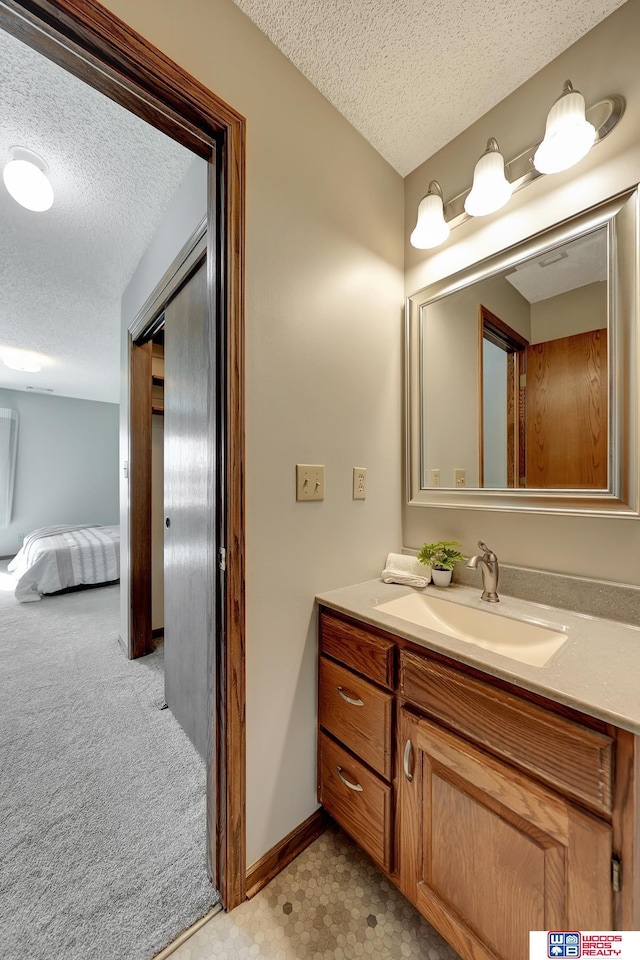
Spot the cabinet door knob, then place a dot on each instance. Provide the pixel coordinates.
(408, 760)
(354, 703)
(347, 783)
(167, 522)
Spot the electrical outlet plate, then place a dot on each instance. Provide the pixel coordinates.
(309, 481)
(435, 477)
(459, 477)
(359, 483)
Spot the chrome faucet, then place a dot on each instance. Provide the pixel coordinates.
(490, 571)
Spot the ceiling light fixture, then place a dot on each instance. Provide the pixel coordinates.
(567, 135)
(23, 360)
(491, 189)
(25, 177)
(431, 228)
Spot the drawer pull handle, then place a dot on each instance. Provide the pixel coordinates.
(347, 783)
(408, 760)
(354, 703)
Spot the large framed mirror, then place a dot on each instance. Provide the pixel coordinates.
(522, 374)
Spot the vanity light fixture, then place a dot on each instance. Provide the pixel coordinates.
(491, 189)
(25, 177)
(568, 138)
(431, 228)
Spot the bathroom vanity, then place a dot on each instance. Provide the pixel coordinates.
(501, 796)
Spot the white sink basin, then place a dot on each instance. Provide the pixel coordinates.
(525, 640)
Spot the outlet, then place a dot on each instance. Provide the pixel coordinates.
(459, 477)
(359, 483)
(309, 481)
(435, 478)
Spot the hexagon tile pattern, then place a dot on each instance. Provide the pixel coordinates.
(331, 903)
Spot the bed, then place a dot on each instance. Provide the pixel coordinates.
(59, 557)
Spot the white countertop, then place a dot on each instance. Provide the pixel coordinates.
(597, 670)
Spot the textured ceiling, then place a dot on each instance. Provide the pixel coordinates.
(412, 75)
(62, 272)
(573, 265)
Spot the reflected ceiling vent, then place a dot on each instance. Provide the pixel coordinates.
(560, 255)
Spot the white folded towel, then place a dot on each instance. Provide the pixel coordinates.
(400, 568)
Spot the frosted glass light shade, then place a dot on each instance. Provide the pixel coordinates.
(23, 360)
(491, 189)
(25, 177)
(431, 228)
(568, 135)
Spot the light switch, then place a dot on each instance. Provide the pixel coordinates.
(459, 477)
(309, 481)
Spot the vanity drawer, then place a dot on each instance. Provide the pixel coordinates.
(572, 759)
(357, 648)
(356, 713)
(357, 799)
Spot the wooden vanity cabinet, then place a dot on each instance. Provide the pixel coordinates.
(355, 715)
(494, 813)
(498, 854)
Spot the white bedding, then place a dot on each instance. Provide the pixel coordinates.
(54, 558)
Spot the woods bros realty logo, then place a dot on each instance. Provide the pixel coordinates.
(561, 944)
(564, 944)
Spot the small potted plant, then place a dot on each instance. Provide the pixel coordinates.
(442, 558)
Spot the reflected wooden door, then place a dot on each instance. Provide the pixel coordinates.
(189, 477)
(567, 412)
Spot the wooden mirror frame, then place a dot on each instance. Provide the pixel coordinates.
(620, 215)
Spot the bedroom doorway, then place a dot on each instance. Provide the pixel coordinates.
(91, 43)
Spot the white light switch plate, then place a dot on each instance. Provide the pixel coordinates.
(459, 477)
(309, 481)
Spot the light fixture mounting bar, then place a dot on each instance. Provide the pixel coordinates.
(604, 115)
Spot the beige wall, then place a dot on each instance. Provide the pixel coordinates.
(604, 61)
(451, 373)
(575, 311)
(324, 271)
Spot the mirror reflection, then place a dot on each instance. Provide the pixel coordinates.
(515, 375)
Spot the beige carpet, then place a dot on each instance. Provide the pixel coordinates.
(102, 796)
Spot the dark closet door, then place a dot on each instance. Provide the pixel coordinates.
(189, 483)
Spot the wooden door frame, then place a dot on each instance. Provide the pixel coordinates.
(492, 328)
(99, 48)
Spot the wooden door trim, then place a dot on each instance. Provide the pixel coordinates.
(496, 331)
(140, 402)
(93, 44)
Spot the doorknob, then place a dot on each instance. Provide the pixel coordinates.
(168, 522)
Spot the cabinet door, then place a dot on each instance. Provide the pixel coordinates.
(488, 854)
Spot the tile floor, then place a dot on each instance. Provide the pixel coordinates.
(331, 903)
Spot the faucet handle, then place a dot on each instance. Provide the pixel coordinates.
(488, 554)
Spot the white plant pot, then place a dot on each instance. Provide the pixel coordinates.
(441, 578)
